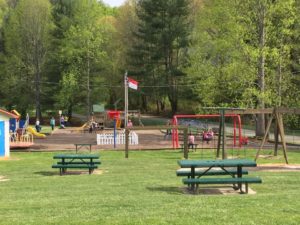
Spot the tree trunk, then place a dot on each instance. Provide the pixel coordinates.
(157, 107)
(38, 112)
(88, 111)
(279, 89)
(173, 99)
(162, 105)
(144, 103)
(70, 111)
(260, 126)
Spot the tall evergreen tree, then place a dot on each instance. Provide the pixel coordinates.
(163, 32)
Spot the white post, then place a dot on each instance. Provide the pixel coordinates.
(126, 100)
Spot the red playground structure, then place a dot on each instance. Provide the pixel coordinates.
(236, 119)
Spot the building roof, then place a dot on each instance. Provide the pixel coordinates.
(8, 114)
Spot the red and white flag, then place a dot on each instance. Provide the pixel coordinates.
(132, 84)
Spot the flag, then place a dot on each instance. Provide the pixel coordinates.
(132, 84)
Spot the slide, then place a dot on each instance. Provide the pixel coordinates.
(118, 123)
(33, 131)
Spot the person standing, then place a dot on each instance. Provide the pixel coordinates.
(52, 123)
(191, 140)
(168, 131)
(129, 124)
(62, 122)
(37, 125)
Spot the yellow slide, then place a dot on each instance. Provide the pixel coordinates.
(118, 123)
(33, 131)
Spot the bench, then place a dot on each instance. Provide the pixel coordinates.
(231, 180)
(212, 172)
(94, 162)
(63, 167)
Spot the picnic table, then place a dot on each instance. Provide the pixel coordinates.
(231, 167)
(89, 161)
(78, 146)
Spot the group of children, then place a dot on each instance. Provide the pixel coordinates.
(62, 121)
(206, 136)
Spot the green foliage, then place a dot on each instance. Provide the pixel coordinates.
(159, 54)
(218, 65)
(27, 35)
(82, 48)
(233, 63)
(185, 54)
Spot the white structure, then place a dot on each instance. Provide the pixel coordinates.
(4, 132)
(108, 139)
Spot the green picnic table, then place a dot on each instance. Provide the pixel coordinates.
(88, 161)
(231, 167)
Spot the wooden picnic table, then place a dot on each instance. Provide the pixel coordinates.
(225, 165)
(88, 161)
(78, 146)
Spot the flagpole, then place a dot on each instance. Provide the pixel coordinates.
(126, 100)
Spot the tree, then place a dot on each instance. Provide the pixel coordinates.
(163, 32)
(269, 25)
(26, 42)
(218, 67)
(82, 46)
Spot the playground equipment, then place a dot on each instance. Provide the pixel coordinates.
(236, 119)
(129, 130)
(33, 132)
(108, 138)
(115, 115)
(275, 113)
(116, 137)
(5, 116)
(19, 137)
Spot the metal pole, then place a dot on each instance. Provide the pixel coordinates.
(126, 100)
(224, 155)
(185, 143)
(115, 133)
(126, 143)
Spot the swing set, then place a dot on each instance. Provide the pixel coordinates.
(236, 121)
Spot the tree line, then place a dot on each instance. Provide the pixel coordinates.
(186, 54)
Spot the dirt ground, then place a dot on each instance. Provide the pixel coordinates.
(64, 139)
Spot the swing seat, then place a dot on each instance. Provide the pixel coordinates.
(244, 140)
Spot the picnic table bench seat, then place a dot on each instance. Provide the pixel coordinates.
(94, 162)
(63, 167)
(76, 161)
(187, 172)
(229, 180)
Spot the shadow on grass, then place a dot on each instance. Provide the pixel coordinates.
(55, 173)
(47, 173)
(169, 190)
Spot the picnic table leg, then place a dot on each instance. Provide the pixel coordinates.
(63, 163)
(193, 177)
(239, 174)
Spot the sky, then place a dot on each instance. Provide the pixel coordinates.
(114, 2)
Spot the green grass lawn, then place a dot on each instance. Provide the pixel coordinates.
(140, 190)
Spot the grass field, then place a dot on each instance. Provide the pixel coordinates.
(140, 190)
